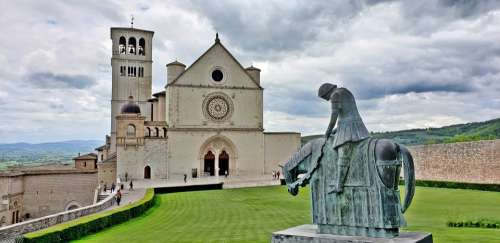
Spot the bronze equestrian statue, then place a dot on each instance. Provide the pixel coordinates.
(353, 177)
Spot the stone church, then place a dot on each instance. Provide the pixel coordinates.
(208, 121)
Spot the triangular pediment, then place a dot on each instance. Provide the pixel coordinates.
(217, 57)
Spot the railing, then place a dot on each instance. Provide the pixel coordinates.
(14, 230)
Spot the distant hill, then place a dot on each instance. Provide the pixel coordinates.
(449, 134)
(43, 153)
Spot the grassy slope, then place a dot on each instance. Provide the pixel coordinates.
(251, 214)
(485, 129)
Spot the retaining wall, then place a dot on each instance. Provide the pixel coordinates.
(475, 162)
(50, 220)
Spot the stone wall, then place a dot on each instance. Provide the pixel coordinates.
(279, 147)
(476, 162)
(50, 220)
(52, 192)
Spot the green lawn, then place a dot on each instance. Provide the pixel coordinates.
(251, 214)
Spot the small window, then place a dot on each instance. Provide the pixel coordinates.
(217, 75)
(122, 70)
(141, 72)
(131, 131)
(135, 72)
(84, 164)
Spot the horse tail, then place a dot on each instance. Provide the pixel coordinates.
(409, 176)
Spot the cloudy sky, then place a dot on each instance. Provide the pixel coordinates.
(410, 64)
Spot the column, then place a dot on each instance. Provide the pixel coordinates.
(216, 163)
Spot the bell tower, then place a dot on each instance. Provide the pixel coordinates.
(131, 63)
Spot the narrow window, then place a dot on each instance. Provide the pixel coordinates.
(122, 70)
(135, 69)
(131, 131)
(131, 45)
(142, 47)
(122, 45)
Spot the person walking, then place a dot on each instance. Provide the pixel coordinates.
(225, 173)
(118, 197)
(113, 186)
(131, 185)
(278, 175)
(105, 187)
(185, 178)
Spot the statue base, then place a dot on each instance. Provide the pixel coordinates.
(307, 233)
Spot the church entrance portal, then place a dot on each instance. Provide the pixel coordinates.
(147, 172)
(223, 163)
(209, 164)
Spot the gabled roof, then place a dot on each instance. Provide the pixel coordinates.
(86, 156)
(217, 43)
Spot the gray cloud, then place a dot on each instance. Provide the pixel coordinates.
(265, 29)
(48, 80)
(398, 57)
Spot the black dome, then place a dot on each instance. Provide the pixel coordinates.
(131, 108)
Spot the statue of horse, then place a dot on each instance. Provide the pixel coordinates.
(369, 204)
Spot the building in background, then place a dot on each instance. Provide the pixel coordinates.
(33, 192)
(208, 121)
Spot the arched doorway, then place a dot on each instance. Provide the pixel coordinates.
(223, 163)
(147, 172)
(209, 163)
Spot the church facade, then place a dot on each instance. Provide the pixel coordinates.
(208, 121)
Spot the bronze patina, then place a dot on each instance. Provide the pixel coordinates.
(353, 177)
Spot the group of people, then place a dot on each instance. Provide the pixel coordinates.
(118, 196)
(276, 174)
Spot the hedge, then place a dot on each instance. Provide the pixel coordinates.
(86, 225)
(480, 223)
(457, 185)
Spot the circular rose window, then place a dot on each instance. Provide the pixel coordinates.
(217, 75)
(217, 107)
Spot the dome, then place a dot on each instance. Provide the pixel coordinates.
(131, 107)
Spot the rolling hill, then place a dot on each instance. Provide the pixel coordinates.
(43, 153)
(448, 134)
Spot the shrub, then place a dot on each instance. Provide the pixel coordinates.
(457, 185)
(86, 225)
(480, 223)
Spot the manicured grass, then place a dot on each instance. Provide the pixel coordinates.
(251, 214)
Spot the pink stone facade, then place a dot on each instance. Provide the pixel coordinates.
(475, 162)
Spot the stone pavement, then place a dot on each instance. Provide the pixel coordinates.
(128, 197)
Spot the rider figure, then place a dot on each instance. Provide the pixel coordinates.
(350, 128)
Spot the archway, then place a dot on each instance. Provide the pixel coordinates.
(72, 205)
(147, 172)
(209, 163)
(223, 163)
